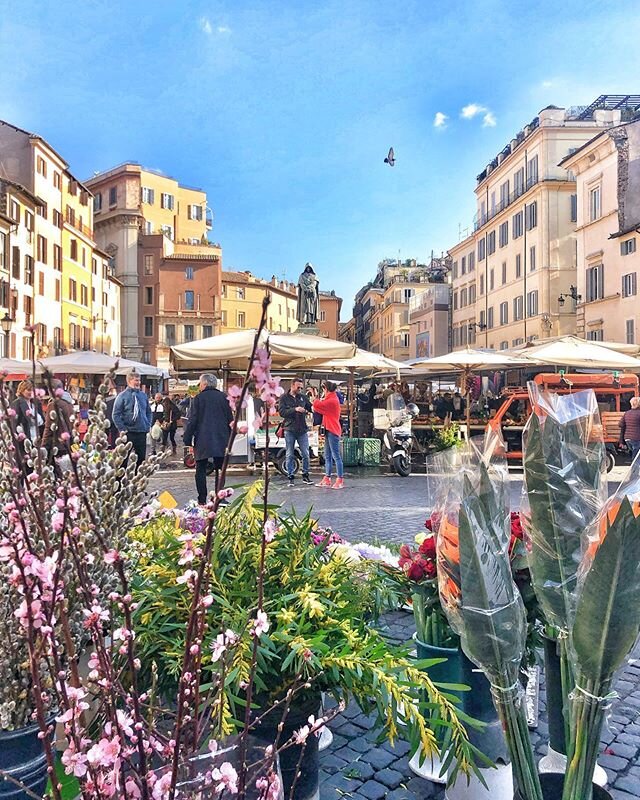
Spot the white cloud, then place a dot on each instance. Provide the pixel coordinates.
(489, 120)
(472, 110)
(223, 29)
(440, 120)
(205, 26)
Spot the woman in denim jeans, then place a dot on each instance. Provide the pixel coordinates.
(329, 407)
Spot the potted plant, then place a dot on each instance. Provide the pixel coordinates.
(314, 636)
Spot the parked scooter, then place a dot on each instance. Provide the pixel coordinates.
(398, 440)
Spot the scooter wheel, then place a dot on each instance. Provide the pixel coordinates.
(402, 465)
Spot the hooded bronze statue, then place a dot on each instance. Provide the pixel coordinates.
(308, 296)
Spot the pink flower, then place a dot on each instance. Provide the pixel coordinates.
(74, 763)
(261, 624)
(300, 736)
(187, 577)
(161, 787)
(105, 752)
(242, 427)
(223, 640)
(57, 521)
(270, 530)
(227, 778)
(111, 556)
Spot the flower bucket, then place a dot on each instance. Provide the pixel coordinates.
(22, 756)
(552, 788)
(554, 695)
(307, 786)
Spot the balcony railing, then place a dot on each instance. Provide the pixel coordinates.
(480, 220)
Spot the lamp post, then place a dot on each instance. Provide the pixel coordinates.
(7, 324)
(572, 293)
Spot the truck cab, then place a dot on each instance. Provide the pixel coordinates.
(613, 392)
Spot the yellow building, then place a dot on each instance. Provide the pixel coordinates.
(242, 295)
(77, 259)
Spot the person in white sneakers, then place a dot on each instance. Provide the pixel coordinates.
(329, 406)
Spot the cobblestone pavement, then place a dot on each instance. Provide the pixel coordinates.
(354, 765)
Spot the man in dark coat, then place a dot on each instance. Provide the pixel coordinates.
(207, 430)
(630, 427)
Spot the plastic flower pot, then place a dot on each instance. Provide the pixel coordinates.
(22, 756)
(449, 671)
(552, 788)
(307, 786)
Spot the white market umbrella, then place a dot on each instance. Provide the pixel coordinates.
(231, 350)
(466, 361)
(87, 362)
(15, 368)
(360, 361)
(570, 351)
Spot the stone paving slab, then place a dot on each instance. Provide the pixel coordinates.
(356, 766)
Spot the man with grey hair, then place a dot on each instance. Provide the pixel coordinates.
(207, 430)
(132, 414)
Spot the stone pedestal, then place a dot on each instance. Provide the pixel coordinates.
(308, 330)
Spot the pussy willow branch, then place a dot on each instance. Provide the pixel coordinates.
(204, 566)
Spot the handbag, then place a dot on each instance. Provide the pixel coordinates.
(156, 431)
(280, 431)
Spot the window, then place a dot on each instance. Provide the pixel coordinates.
(518, 308)
(84, 295)
(207, 331)
(223, 318)
(504, 195)
(482, 284)
(483, 320)
(504, 313)
(73, 290)
(240, 293)
(189, 300)
(57, 257)
(148, 327)
(148, 227)
(594, 203)
(463, 265)
(407, 294)
(167, 230)
(504, 345)
(627, 247)
(105, 299)
(188, 333)
(595, 336)
(94, 266)
(595, 283)
(532, 304)
(472, 261)
(240, 319)
(15, 262)
(504, 272)
(84, 257)
(481, 249)
(503, 240)
(490, 317)
(29, 220)
(455, 301)
(146, 357)
(194, 212)
(629, 288)
(518, 182)
(74, 249)
(532, 171)
(223, 290)
(516, 225)
(42, 249)
(147, 195)
(463, 299)
(29, 274)
(57, 218)
(58, 291)
(41, 166)
(491, 242)
(70, 215)
(532, 215)
(57, 183)
(574, 208)
(14, 211)
(532, 259)
(148, 295)
(472, 294)
(41, 283)
(57, 338)
(630, 326)
(491, 280)
(188, 273)
(148, 265)
(3, 253)
(454, 270)
(170, 335)
(73, 335)
(97, 203)
(166, 201)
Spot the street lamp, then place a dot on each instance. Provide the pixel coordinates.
(7, 324)
(479, 325)
(573, 294)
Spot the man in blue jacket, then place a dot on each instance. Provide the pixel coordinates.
(132, 414)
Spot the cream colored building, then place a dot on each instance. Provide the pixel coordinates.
(607, 171)
(105, 305)
(130, 201)
(429, 312)
(524, 233)
(242, 296)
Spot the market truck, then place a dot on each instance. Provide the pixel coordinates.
(613, 392)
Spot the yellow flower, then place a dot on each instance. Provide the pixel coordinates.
(420, 537)
(285, 616)
(312, 604)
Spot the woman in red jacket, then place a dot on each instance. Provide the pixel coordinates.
(329, 407)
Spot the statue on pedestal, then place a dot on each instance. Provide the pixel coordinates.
(308, 297)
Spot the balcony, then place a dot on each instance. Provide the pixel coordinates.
(480, 220)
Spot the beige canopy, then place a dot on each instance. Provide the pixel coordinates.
(360, 361)
(231, 350)
(88, 362)
(570, 351)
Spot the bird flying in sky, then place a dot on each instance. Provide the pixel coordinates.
(390, 159)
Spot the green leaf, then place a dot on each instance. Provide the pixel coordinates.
(608, 612)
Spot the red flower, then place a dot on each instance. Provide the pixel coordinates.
(516, 525)
(428, 547)
(428, 524)
(415, 565)
(430, 568)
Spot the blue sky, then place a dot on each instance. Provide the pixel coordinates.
(284, 111)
